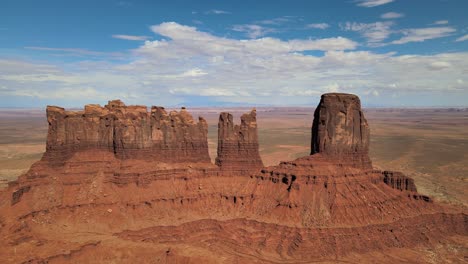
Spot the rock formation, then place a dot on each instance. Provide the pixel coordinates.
(238, 144)
(399, 181)
(118, 184)
(128, 132)
(340, 130)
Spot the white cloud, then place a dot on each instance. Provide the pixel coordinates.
(373, 3)
(194, 73)
(374, 32)
(217, 12)
(332, 88)
(188, 40)
(189, 63)
(422, 34)
(338, 43)
(275, 21)
(392, 15)
(439, 65)
(318, 26)
(462, 38)
(441, 22)
(130, 37)
(253, 31)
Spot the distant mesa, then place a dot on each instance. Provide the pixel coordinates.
(128, 132)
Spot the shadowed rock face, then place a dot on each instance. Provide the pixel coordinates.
(238, 144)
(340, 130)
(398, 180)
(128, 132)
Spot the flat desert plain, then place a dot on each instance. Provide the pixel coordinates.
(429, 145)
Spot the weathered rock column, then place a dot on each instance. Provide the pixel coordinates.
(340, 130)
(238, 144)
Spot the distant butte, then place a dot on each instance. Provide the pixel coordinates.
(123, 184)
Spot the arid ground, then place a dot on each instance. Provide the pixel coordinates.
(430, 145)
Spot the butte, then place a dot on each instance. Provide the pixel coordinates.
(121, 184)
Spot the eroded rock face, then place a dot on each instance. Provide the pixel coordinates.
(340, 130)
(238, 144)
(128, 132)
(399, 181)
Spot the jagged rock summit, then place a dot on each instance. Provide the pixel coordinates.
(120, 184)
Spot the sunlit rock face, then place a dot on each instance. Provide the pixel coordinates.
(128, 132)
(238, 144)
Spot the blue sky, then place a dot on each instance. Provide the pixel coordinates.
(396, 53)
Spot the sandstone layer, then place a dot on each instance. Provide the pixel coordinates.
(123, 198)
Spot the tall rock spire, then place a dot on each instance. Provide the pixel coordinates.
(238, 144)
(340, 130)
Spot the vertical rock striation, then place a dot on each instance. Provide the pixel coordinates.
(128, 132)
(340, 130)
(399, 181)
(238, 144)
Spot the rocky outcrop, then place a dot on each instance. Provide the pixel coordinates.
(128, 132)
(340, 130)
(238, 144)
(328, 206)
(399, 181)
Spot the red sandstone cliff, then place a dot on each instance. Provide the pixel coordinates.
(238, 144)
(130, 132)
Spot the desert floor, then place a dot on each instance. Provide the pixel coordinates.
(429, 145)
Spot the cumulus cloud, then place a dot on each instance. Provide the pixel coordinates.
(318, 26)
(131, 37)
(439, 65)
(422, 34)
(392, 15)
(373, 3)
(188, 63)
(188, 39)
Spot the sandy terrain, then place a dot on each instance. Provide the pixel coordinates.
(430, 145)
